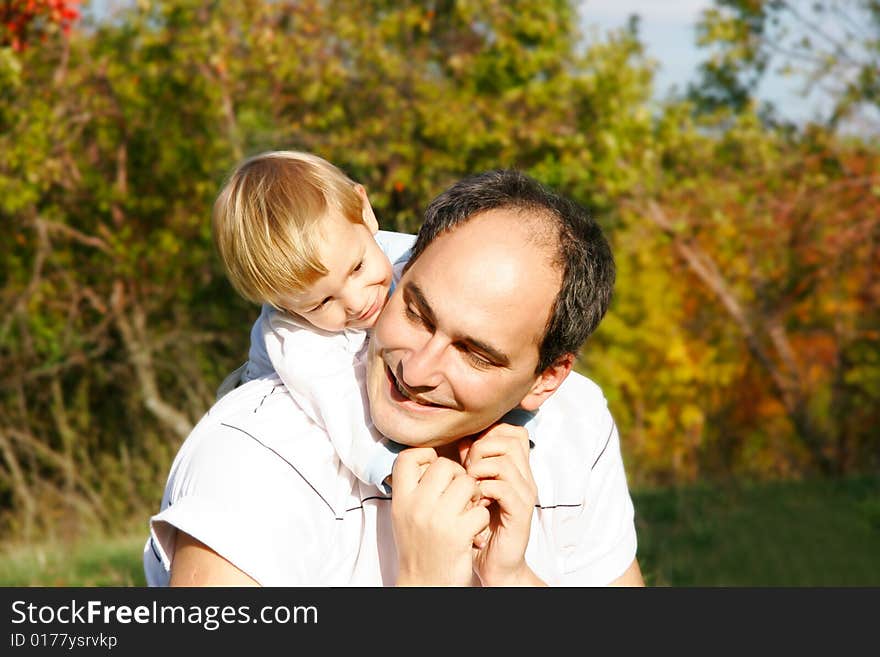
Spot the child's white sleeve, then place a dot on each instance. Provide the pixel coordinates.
(325, 374)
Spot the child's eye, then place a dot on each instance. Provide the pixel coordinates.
(320, 305)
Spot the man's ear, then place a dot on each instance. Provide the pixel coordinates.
(367, 213)
(547, 382)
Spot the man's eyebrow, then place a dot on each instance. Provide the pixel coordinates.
(498, 358)
(417, 297)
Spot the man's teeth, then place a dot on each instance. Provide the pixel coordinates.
(401, 390)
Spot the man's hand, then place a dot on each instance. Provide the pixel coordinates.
(499, 459)
(435, 516)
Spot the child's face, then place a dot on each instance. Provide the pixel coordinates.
(356, 285)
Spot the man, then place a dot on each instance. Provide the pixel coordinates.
(505, 282)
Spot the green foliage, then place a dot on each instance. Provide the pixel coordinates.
(747, 280)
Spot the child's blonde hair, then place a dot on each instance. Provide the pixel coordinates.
(267, 217)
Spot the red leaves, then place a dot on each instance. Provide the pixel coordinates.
(25, 20)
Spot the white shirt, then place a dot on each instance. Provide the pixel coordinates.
(261, 484)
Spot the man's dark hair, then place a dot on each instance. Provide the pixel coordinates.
(582, 252)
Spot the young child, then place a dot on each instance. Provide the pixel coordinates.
(299, 237)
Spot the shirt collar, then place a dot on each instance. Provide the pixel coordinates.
(520, 417)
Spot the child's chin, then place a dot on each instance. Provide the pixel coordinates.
(355, 326)
(366, 326)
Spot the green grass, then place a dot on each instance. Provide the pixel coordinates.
(814, 533)
(108, 562)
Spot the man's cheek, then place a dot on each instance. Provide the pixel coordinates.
(383, 327)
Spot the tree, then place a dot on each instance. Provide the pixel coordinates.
(769, 301)
(22, 21)
(832, 46)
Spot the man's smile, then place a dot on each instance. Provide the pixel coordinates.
(403, 396)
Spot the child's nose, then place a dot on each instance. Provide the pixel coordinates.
(354, 302)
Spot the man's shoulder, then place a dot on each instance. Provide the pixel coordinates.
(254, 400)
(255, 436)
(262, 412)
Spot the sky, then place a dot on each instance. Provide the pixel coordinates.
(667, 29)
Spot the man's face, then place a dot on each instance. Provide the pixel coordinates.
(456, 346)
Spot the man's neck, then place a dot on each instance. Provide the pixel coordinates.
(450, 451)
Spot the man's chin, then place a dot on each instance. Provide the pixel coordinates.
(402, 435)
(412, 433)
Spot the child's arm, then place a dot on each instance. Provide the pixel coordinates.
(325, 375)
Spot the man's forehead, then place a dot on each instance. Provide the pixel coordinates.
(491, 240)
(492, 281)
(512, 224)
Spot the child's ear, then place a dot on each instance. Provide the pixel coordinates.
(367, 209)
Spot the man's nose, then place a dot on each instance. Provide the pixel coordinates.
(423, 368)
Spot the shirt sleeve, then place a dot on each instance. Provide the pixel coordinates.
(223, 491)
(602, 540)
